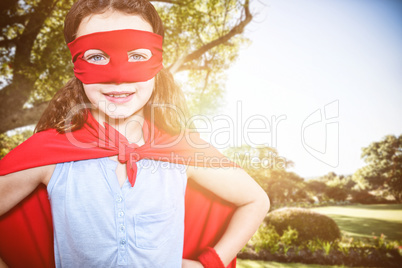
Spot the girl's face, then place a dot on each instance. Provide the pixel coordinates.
(118, 101)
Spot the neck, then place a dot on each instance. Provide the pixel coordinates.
(130, 127)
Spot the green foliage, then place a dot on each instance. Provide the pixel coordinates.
(380, 241)
(286, 187)
(371, 251)
(264, 165)
(7, 143)
(312, 246)
(309, 225)
(384, 166)
(326, 246)
(49, 63)
(337, 193)
(332, 186)
(344, 248)
(260, 160)
(190, 26)
(363, 197)
(52, 60)
(288, 238)
(266, 238)
(316, 187)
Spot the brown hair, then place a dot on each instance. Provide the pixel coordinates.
(167, 103)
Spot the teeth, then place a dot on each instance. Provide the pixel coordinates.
(120, 96)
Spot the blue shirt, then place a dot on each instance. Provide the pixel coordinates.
(97, 223)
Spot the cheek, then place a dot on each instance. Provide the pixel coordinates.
(89, 89)
(145, 89)
(92, 93)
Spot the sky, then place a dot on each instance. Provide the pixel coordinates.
(320, 80)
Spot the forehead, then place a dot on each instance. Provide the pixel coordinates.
(112, 20)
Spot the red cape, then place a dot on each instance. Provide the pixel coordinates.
(26, 231)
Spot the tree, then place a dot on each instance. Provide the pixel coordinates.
(7, 143)
(337, 193)
(268, 169)
(284, 187)
(337, 187)
(259, 162)
(384, 166)
(317, 189)
(202, 39)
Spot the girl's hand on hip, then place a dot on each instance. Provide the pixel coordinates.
(191, 264)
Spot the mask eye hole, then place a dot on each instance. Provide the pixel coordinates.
(141, 54)
(96, 56)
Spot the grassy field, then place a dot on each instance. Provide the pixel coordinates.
(357, 221)
(365, 220)
(271, 264)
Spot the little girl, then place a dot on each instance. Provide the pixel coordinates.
(115, 156)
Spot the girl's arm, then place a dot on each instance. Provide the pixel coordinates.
(14, 187)
(237, 187)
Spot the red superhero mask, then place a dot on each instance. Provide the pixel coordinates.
(116, 44)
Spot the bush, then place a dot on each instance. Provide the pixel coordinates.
(267, 238)
(377, 252)
(310, 225)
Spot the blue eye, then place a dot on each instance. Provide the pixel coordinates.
(140, 54)
(137, 57)
(96, 58)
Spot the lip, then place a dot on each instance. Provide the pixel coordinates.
(110, 96)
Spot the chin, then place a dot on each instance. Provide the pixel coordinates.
(124, 114)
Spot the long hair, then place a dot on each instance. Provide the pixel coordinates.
(166, 107)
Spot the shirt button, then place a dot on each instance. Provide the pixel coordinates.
(122, 227)
(121, 213)
(123, 242)
(119, 199)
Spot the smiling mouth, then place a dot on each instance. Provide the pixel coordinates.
(118, 94)
(119, 97)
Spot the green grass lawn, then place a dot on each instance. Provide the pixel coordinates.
(363, 220)
(355, 220)
(271, 264)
